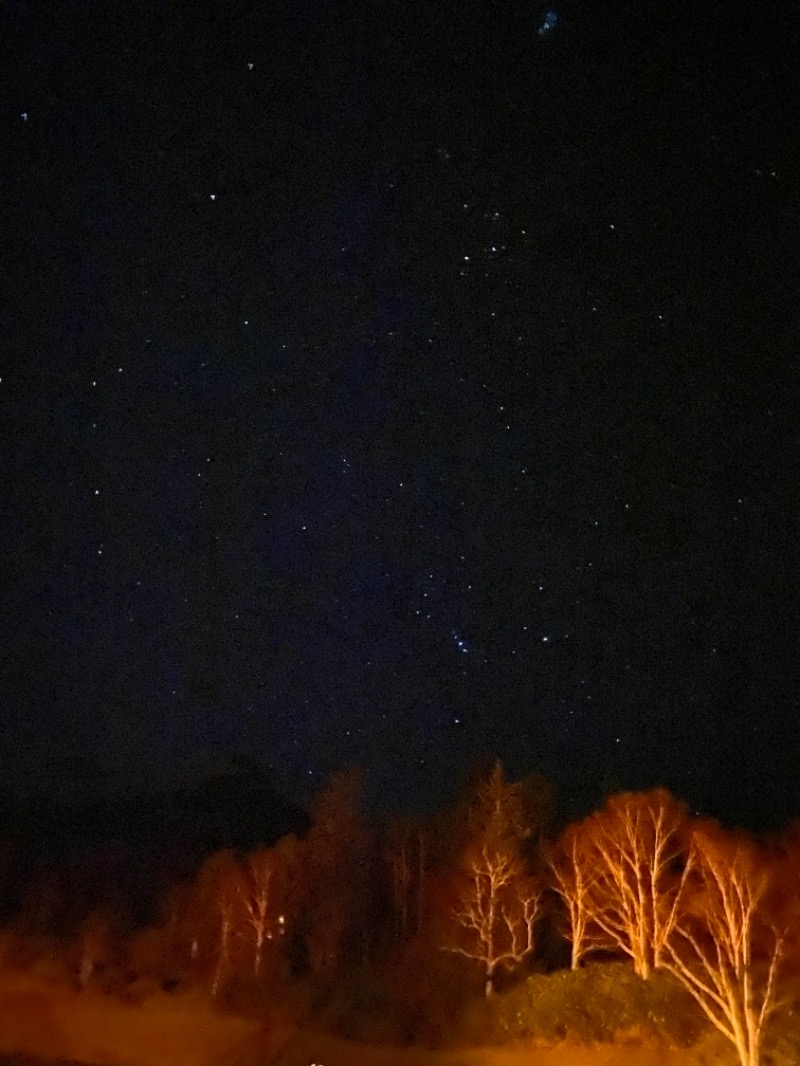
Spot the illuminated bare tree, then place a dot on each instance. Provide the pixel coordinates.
(215, 917)
(722, 948)
(498, 892)
(255, 895)
(574, 878)
(630, 855)
(497, 910)
(224, 946)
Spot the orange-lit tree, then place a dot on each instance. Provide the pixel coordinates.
(498, 899)
(255, 892)
(784, 895)
(215, 910)
(223, 956)
(628, 859)
(722, 946)
(497, 910)
(574, 877)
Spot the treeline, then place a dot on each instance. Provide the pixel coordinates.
(422, 911)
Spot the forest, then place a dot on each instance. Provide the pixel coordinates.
(493, 922)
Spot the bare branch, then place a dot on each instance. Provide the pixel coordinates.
(620, 877)
(721, 949)
(498, 910)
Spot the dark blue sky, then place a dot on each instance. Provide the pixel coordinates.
(397, 384)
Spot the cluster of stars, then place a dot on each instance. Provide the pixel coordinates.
(417, 365)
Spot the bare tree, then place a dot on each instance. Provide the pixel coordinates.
(574, 877)
(630, 854)
(224, 946)
(254, 893)
(721, 947)
(497, 910)
(215, 918)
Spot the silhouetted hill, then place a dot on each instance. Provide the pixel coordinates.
(134, 846)
(238, 807)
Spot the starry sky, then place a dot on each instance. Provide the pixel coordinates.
(400, 383)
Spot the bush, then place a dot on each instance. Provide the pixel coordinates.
(596, 1004)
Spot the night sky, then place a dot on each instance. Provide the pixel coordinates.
(399, 383)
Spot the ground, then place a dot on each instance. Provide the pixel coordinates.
(50, 1021)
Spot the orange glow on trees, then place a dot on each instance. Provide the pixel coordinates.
(224, 946)
(574, 878)
(255, 894)
(215, 906)
(498, 900)
(619, 874)
(722, 946)
(498, 909)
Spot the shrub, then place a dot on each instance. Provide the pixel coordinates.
(596, 1004)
